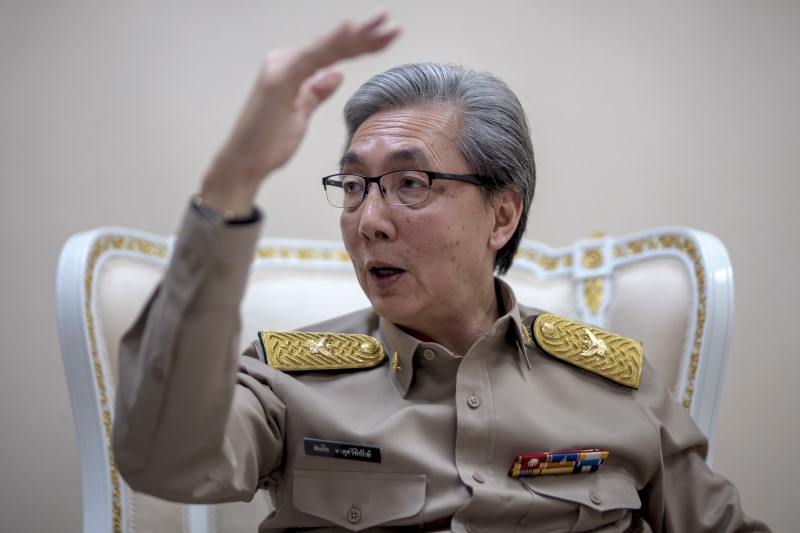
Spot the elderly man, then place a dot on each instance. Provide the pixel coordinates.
(439, 408)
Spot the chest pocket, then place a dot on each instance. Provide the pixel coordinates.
(602, 498)
(358, 500)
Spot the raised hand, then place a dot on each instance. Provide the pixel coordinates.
(291, 84)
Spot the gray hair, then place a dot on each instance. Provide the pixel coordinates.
(495, 135)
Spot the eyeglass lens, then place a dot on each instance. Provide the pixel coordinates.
(404, 187)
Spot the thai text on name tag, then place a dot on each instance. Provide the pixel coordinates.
(342, 450)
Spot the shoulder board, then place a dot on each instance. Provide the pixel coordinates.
(298, 351)
(612, 356)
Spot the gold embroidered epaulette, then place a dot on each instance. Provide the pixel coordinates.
(294, 351)
(612, 356)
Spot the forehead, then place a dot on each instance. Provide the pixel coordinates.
(418, 135)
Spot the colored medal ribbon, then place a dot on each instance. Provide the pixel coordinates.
(547, 463)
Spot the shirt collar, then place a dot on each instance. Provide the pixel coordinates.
(401, 346)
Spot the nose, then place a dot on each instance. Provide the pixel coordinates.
(375, 216)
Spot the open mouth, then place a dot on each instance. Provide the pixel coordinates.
(385, 272)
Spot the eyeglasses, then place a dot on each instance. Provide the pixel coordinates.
(399, 187)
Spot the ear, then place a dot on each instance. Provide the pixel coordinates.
(507, 206)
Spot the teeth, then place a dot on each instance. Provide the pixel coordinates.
(385, 271)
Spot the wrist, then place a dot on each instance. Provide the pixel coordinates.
(227, 187)
(220, 215)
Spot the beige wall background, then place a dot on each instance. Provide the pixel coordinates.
(643, 114)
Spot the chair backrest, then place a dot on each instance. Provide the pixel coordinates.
(671, 288)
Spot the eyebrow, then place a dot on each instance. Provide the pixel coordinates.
(404, 156)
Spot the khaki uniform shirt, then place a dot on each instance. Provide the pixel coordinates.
(189, 427)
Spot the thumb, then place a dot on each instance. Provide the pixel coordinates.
(319, 88)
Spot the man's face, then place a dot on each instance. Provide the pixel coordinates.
(422, 266)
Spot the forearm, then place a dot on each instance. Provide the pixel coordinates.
(685, 494)
(177, 371)
(701, 500)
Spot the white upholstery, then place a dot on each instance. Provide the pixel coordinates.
(671, 288)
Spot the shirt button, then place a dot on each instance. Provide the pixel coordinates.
(158, 370)
(223, 269)
(353, 515)
(473, 401)
(478, 477)
(191, 258)
(428, 354)
(596, 499)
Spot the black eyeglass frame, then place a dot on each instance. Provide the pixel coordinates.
(468, 178)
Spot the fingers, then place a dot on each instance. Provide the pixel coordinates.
(373, 33)
(347, 41)
(318, 88)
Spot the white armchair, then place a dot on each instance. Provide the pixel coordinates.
(671, 288)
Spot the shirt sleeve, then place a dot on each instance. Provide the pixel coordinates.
(187, 427)
(685, 494)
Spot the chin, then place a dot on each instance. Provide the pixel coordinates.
(384, 308)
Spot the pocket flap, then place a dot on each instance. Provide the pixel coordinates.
(358, 500)
(597, 490)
